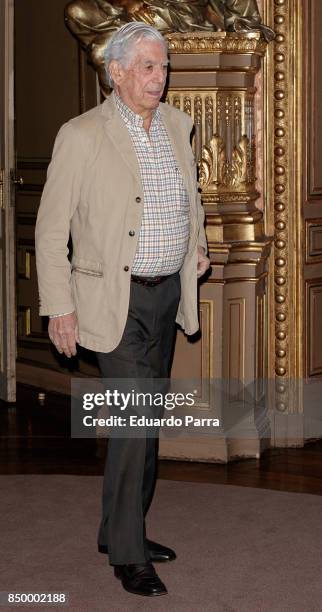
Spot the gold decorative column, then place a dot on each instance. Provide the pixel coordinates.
(212, 78)
(283, 91)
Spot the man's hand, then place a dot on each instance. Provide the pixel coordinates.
(63, 332)
(203, 262)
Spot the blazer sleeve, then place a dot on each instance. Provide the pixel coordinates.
(59, 201)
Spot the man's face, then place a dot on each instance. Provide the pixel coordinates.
(141, 83)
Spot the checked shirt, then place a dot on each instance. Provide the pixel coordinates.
(164, 232)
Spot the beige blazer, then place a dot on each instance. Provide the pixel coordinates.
(94, 191)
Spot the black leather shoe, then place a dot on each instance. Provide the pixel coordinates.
(158, 553)
(140, 579)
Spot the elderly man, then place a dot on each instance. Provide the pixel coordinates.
(122, 180)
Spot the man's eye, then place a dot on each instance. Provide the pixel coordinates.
(149, 67)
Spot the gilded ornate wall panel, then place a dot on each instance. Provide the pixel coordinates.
(235, 338)
(198, 355)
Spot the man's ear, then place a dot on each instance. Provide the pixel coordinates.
(116, 71)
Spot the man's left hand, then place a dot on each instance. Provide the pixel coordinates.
(203, 262)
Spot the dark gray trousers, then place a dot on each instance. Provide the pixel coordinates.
(130, 470)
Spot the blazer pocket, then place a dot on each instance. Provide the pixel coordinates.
(85, 266)
(85, 271)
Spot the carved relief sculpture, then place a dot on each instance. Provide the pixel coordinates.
(94, 21)
(227, 158)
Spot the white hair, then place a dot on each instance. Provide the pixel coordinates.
(123, 40)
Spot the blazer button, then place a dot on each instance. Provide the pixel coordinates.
(131, 233)
(138, 199)
(126, 268)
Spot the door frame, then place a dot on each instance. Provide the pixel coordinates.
(8, 341)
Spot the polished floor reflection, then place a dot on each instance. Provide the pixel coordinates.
(35, 439)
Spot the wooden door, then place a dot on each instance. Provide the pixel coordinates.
(53, 84)
(7, 233)
(312, 192)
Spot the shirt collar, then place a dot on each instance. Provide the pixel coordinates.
(130, 117)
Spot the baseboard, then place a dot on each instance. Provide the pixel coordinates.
(44, 379)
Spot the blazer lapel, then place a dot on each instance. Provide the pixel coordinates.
(117, 132)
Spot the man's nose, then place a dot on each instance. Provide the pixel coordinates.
(159, 75)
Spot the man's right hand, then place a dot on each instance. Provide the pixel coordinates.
(63, 332)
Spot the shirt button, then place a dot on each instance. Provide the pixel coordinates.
(131, 233)
(126, 268)
(138, 199)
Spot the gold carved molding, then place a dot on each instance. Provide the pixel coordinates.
(235, 175)
(197, 42)
(236, 330)
(283, 153)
